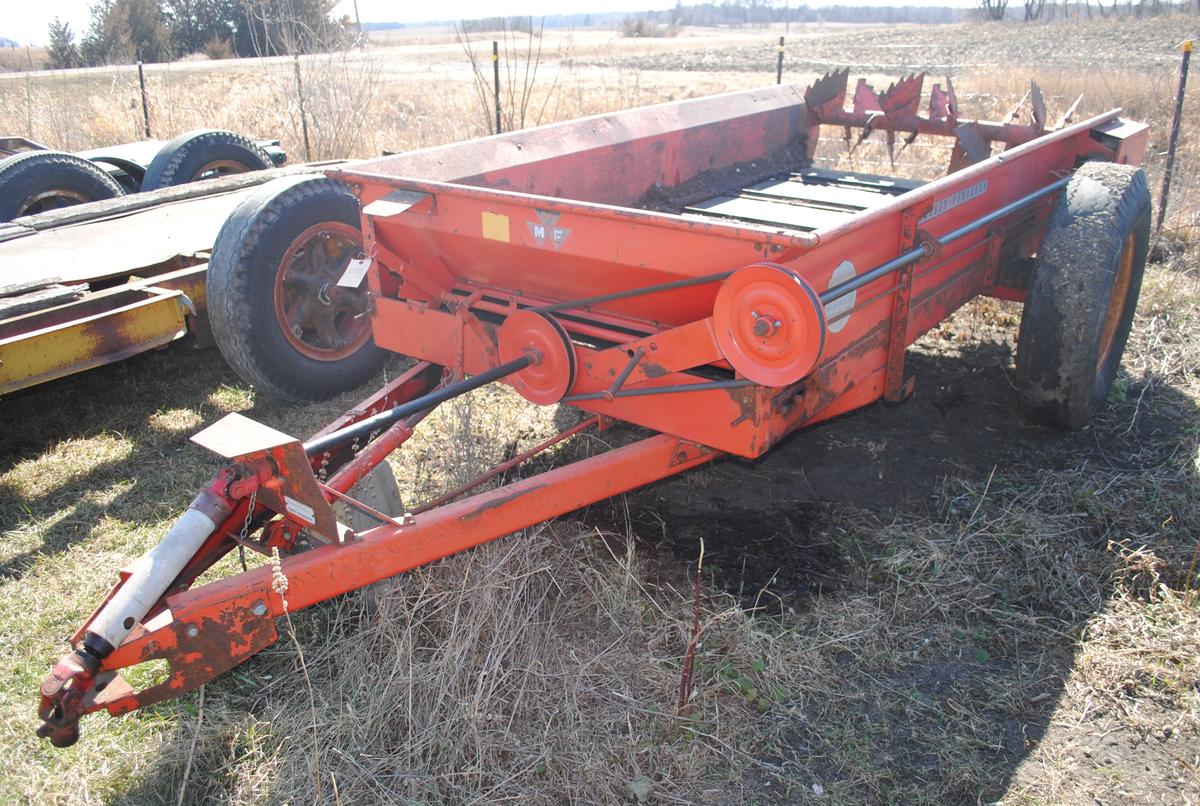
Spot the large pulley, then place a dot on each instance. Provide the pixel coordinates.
(551, 371)
(770, 324)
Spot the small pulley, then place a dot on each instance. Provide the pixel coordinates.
(551, 372)
(770, 324)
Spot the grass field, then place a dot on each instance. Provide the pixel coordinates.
(934, 603)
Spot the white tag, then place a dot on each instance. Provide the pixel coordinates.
(302, 511)
(353, 276)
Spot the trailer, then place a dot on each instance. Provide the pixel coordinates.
(35, 178)
(682, 267)
(98, 282)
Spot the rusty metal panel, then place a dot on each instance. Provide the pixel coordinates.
(139, 320)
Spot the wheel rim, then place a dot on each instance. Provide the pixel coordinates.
(320, 319)
(50, 200)
(216, 168)
(1116, 302)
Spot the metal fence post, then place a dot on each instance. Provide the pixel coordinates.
(779, 64)
(496, 80)
(145, 103)
(1174, 141)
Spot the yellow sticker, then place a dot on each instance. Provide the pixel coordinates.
(495, 227)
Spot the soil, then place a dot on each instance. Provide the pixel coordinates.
(941, 49)
(772, 522)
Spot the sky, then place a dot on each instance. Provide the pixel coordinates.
(26, 21)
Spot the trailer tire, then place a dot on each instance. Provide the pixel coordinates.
(1082, 295)
(37, 181)
(203, 154)
(255, 303)
(378, 490)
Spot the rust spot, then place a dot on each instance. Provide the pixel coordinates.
(653, 370)
(499, 502)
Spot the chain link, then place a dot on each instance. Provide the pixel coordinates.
(249, 514)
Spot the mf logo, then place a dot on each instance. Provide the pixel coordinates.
(546, 229)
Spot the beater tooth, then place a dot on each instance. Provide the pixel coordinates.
(1012, 116)
(901, 100)
(939, 104)
(1039, 106)
(970, 147)
(908, 140)
(865, 98)
(828, 93)
(952, 104)
(1070, 113)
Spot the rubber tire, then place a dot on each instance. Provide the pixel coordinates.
(177, 162)
(1059, 379)
(240, 288)
(378, 490)
(23, 176)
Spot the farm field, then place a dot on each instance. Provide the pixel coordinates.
(928, 603)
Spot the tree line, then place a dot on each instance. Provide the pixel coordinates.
(124, 31)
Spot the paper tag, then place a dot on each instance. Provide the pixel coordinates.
(302, 511)
(353, 276)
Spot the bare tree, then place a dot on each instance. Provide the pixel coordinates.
(1033, 9)
(996, 9)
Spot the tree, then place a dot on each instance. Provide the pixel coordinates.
(195, 24)
(270, 27)
(993, 9)
(63, 53)
(122, 31)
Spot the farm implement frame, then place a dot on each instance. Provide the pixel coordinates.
(682, 268)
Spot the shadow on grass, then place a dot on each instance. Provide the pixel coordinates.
(973, 549)
(944, 555)
(140, 402)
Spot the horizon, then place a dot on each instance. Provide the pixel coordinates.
(28, 25)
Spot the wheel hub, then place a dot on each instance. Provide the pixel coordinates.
(319, 318)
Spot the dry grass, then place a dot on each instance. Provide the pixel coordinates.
(1028, 635)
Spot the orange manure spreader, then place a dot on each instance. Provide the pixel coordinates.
(681, 267)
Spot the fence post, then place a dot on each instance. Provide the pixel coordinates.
(1174, 141)
(145, 104)
(779, 64)
(303, 118)
(496, 80)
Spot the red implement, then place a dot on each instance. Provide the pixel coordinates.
(681, 267)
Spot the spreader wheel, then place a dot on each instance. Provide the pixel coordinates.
(277, 311)
(552, 374)
(1081, 300)
(770, 324)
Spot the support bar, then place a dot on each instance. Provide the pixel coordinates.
(385, 418)
(913, 255)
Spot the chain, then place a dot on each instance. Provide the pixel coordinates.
(246, 527)
(249, 515)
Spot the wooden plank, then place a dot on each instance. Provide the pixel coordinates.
(20, 285)
(762, 211)
(132, 202)
(118, 247)
(46, 297)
